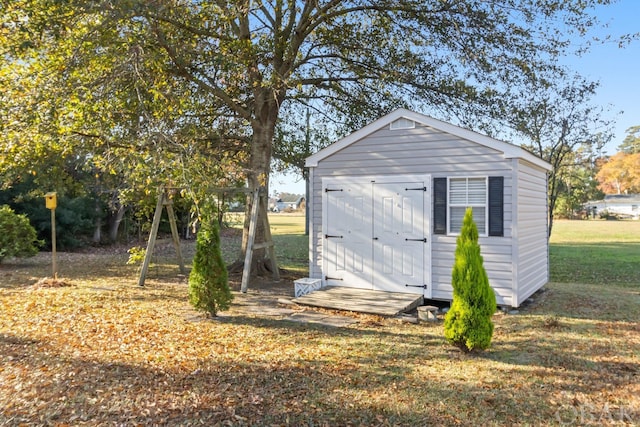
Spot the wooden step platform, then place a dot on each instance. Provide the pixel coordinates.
(361, 300)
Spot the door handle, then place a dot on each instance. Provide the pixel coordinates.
(416, 240)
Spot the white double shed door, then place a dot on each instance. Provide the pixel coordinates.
(376, 233)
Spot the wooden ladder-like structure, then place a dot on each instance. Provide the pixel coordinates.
(259, 207)
(164, 201)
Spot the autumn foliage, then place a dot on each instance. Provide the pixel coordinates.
(621, 174)
(208, 282)
(468, 324)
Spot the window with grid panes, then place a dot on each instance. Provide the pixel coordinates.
(464, 193)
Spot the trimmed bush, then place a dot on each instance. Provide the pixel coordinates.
(468, 324)
(18, 238)
(208, 281)
(75, 218)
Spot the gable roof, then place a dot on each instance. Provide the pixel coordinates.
(509, 150)
(616, 199)
(290, 198)
(622, 198)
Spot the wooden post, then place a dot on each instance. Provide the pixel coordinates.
(248, 257)
(174, 232)
(54, 254)
(51, 202)
(152, 238)
(268, 240)
(259, 207)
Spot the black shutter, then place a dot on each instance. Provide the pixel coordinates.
(439, 205)
(496, 206)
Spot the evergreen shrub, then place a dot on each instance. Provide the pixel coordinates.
(18, 238)
(468, 324)
(208, 281)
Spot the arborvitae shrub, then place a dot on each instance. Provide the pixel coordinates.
(18, 238)
(468, 324)
(208, 281)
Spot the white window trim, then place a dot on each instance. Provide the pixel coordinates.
(485, 206)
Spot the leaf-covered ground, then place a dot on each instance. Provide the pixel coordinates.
(98, 350)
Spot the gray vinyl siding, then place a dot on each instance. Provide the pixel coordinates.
(498, 263)
(423, 150)
(315, 224)
(532, 257)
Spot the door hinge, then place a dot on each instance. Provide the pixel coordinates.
(424, 239)
(416, 286)
(416, 189)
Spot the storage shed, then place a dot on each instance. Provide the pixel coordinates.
(386, 204)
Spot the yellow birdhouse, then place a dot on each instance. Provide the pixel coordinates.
(51, 200)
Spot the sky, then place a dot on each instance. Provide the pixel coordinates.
(616, 69)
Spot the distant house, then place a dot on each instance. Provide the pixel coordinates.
(286, 201)
(624, 205)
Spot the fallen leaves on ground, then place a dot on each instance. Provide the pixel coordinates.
(51, 282)
(106, 352)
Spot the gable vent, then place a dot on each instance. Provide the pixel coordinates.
(402, 123)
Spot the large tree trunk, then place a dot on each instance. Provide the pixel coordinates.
(553, 197)
(97, 231)
(97, 227)
(114, 224)
(258, 178)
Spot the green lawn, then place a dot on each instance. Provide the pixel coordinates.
(595, 231)
(596, 252)
(287, 224)
(292, 248)
(292, 245)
